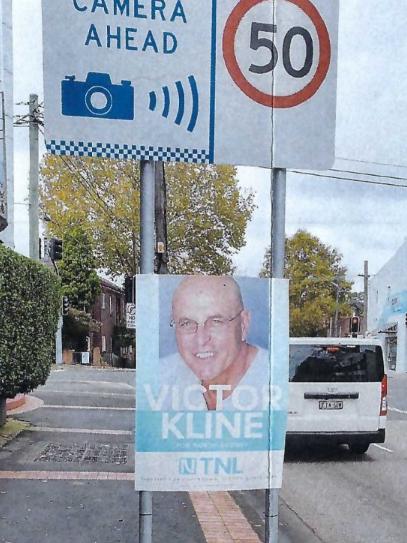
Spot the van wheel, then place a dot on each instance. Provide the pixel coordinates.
(358, 448)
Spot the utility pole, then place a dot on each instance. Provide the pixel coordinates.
(161, 237)
(33, 120)
(3, 165)
(335, 325)
(365, 276)
(33, 199)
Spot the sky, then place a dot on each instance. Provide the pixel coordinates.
(363, 220)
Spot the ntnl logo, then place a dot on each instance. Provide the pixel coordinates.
(208, 466)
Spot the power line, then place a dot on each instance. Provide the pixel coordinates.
(314, 174)
(24, 120)
(381, 176)
(339, 222)
(372, 162)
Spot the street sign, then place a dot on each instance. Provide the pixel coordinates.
(251, 82)
(131, 316)
(182, 441)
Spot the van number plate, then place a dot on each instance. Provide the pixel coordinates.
(331, 404)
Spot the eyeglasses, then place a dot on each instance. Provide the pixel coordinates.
(212, 324)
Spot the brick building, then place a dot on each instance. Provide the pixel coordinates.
(108, 342)
(109, 310)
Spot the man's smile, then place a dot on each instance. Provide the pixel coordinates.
(205, 354)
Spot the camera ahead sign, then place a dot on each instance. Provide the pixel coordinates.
(240, 82)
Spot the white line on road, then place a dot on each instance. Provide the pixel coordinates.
(397, 410)
(93, 383)
(83, 392)
(89, 407)
(383, 448)
(79, 431)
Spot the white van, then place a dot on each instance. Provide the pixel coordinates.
(337, 391)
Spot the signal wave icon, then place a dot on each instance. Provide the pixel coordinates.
(180, 101)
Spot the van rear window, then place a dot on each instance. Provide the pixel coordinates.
(343, 363)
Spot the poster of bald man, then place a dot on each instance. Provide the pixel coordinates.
(211, 382)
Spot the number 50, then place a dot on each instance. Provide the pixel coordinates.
(256, 42)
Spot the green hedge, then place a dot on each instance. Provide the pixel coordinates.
(30, 298)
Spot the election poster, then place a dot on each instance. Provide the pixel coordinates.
(211, 382)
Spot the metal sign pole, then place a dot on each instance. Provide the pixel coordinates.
(278, 190)
(147, 207)
(278, 196)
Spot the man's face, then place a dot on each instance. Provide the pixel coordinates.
(211, 349)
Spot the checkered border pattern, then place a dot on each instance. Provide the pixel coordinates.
(108, 150)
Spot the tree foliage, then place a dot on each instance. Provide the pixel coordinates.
(318, 288)
(102, 197)
(80, 281)
(357, 303)
(206, 213)
(77, 326)
(30, 300)
(81, 284)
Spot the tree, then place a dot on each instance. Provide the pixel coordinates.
(80, 282)
(318, 288)
(357, 303)
(102, 197)
(207, 215)
(77, 327)
(30, 298)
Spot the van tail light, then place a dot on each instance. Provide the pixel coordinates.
(383, 397)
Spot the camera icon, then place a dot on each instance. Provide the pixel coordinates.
(97, 97)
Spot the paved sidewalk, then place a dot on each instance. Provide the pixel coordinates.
(49, 487)
(56, 486)
(70, 477)
(26, 489)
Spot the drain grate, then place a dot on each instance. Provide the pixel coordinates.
(84, 453)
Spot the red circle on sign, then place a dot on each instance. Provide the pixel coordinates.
(250, 90)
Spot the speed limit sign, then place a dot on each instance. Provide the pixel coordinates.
(245, 82)
(281, 57)
(261, 36)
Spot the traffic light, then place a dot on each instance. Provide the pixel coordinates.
(55, 249)
(354, 325)
(65, 305)
(406, 319)
(128, 289)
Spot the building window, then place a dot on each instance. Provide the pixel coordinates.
(103, 344)
(110, 304)
(118, 315)
(103, 301)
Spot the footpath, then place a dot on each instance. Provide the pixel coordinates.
(68, 476)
